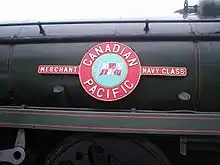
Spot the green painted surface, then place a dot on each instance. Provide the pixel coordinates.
(164, 123)
(152, 93)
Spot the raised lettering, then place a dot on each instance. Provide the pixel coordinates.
(132, 62)
(107, 48)
(148, 71)
(56, 69)
(144, 70)
(89, 82)
(107, 94)
(164, 70)
(42, 69)
(116, 48)
(70, 69)
(87, 64)
(182, 71)
(65, 69)
(123, 50)
(122, 87)
(172, 71)
(98, 92)
(75, 69)
(128, 86)
(177, 71)
(93, 89)
(152, 70)
(115, 92)
(127, 55)
(61, 69)
(92, 56)
(99, 50)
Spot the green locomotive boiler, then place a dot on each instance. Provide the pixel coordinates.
(116, 92)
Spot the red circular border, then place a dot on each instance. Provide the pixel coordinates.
(133, 74)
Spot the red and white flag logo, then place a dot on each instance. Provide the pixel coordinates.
(110, 69)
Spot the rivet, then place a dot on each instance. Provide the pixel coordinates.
(184, 96)
(58, 89)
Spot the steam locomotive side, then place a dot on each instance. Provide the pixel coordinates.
(110, 92)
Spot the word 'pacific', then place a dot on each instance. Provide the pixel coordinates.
(108, 93)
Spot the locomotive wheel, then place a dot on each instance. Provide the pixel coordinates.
(106, 150)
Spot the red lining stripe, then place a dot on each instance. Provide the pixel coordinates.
(110, 128)
(109, 116)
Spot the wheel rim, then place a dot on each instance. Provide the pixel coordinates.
(102, 150)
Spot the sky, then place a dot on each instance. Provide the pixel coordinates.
(87, 9)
